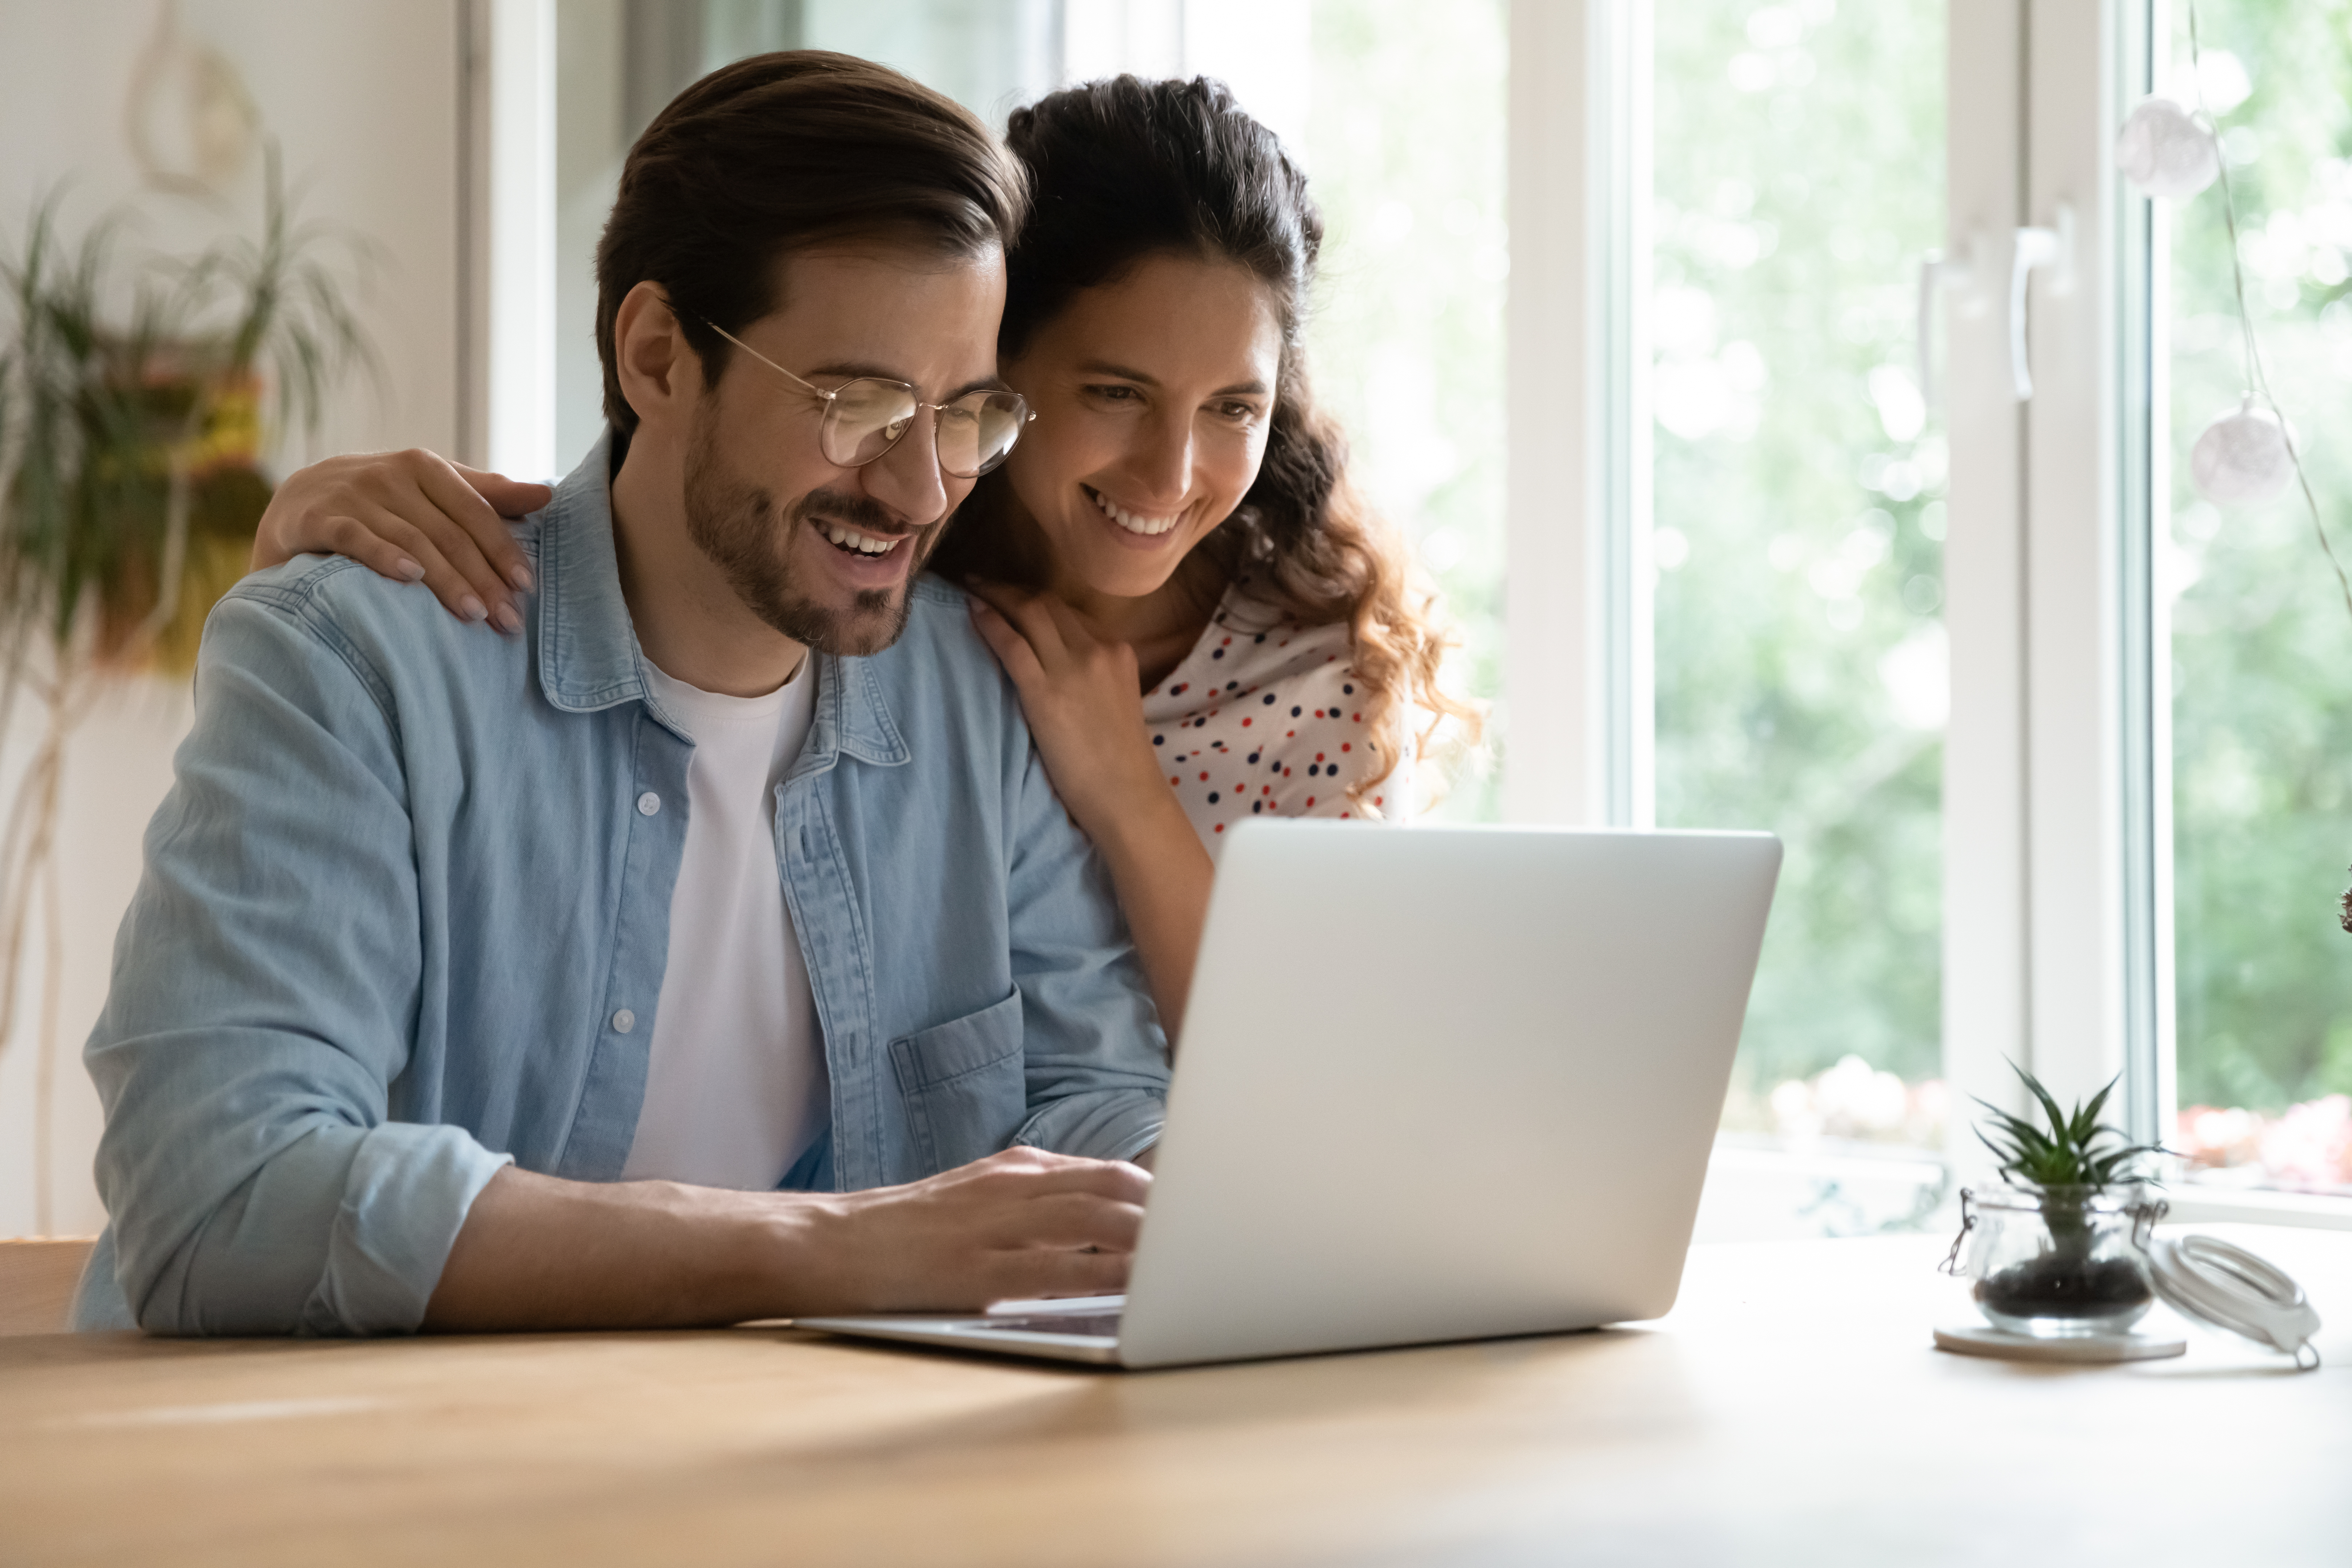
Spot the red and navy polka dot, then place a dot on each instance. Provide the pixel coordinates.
(1264, 718)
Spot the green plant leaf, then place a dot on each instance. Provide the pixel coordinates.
(2073, 1150)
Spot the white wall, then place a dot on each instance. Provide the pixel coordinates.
(364, 96)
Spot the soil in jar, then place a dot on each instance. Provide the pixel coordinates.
(2065, 1287)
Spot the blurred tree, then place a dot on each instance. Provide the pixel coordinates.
(1801, 665)
(1404, 147)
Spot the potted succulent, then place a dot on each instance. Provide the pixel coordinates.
(2061, 1249)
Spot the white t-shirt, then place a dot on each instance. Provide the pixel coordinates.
(736, 1090)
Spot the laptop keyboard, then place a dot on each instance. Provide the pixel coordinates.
(1096, 1325)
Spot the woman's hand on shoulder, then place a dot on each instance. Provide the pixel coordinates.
(413, 517)
(1083, 697)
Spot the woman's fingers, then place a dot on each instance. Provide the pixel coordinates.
(1068, 630)
(429, 496)
(479, 504)
(509, 497)
(411, 516)
(457, 593)
(1031, 615)
(349, 536)
(1005, 641)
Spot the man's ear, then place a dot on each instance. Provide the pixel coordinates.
(661, 376)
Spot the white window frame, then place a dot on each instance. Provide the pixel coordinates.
(1578, 698)
(2057, 944)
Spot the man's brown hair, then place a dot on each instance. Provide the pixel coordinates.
(779, 153)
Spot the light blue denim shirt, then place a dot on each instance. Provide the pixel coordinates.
(407, 909)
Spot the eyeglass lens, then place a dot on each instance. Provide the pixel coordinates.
(866, 417)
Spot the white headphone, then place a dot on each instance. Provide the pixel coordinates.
(2225, 1285)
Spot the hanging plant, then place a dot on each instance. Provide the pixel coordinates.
(129, 489)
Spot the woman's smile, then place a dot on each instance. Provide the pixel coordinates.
(1133, 520)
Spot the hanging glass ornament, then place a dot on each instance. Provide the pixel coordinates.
(2166, 151)
(2243, 458)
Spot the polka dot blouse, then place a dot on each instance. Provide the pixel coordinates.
(1264, 718)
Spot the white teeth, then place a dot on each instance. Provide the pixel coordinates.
(1130, 520)
(863, 543)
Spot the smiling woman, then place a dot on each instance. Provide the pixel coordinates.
(1154, 315)
(1205, 621)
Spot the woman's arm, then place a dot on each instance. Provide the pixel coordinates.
(1083, 697)
(1162, 876)
(413, 517)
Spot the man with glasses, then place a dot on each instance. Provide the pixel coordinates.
(712, 948)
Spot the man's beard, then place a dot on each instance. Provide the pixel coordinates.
(740, 527)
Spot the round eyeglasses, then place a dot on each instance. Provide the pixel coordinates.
(866, 417)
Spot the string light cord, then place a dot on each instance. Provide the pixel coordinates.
(2257, 378)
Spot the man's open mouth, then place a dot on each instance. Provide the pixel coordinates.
(850, 542)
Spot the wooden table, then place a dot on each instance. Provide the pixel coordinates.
(1789, 1411)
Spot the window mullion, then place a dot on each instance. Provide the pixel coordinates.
(2080, 846)
(2141, 461)
(1986, 929)
(1578, 687)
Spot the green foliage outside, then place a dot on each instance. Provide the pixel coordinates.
(1800, 665)
(1789, 216)
(2261, 641)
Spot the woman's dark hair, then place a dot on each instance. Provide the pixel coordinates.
(777, 153)
(1125, 169)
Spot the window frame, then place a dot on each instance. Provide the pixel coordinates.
(1577, 692)
(2058, 942)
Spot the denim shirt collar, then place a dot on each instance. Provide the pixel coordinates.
(588, 654)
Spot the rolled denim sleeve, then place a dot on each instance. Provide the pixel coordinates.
(265, 985)
(1097, 1058)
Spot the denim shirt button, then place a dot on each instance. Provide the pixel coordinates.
(624, 1021)
(649, 803)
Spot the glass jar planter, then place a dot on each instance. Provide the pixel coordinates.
(2058, 1262)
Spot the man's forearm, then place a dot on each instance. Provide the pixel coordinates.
(539, 1252)
(536, 1252)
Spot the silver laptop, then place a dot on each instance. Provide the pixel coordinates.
(1436, 1083)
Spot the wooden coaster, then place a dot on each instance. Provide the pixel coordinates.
(1981, 1339)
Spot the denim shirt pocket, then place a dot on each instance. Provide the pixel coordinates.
(965, 1084)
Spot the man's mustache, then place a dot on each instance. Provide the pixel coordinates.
(863, 514)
